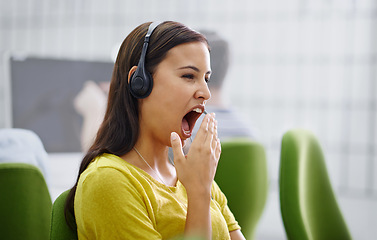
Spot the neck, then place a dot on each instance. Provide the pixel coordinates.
(154, 153)
(154, 160)
(166, 177)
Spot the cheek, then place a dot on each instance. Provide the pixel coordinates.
(169, 92)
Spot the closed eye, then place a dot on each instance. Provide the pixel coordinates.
(188, 76)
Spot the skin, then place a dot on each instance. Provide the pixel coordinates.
(180, 84)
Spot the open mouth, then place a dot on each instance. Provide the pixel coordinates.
(189, 120)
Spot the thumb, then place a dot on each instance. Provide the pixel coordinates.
(176, 145)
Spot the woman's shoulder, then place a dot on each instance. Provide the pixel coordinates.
(108, 162)
(109, 173)
(107, 167)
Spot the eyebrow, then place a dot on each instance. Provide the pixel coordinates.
(193, 68)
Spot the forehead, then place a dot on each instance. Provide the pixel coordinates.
(193, 53)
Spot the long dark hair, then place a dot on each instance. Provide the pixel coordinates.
(119, 130)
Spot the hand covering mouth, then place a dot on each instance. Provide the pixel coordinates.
(189, 120)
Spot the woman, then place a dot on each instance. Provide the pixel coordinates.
(127, 188)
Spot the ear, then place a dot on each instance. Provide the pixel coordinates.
(132, 70)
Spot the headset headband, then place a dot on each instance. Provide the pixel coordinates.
(141, 83)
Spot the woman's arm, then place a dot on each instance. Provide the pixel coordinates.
(196, 172)
(236, 235)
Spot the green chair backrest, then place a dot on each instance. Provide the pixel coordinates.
(242, 176)
(60, 230)
(25, 202)
(308, 205)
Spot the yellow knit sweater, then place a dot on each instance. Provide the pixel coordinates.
(116, 200)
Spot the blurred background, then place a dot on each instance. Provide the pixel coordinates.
(294, 63)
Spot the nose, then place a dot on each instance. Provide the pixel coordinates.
(203, 91)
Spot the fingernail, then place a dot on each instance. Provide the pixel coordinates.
(173, 136)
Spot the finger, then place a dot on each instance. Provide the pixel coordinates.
(202, 132)
(214, 142)
(176, 146)
(210, 135)
(218, 149)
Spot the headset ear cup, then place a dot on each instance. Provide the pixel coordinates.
(148, 83)
(141, 84)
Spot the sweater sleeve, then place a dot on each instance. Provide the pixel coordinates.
(116, 209)
(221, 200)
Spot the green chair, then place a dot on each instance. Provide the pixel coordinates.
(60, 230)
(242, 176)
(25, 202)
(308, 205)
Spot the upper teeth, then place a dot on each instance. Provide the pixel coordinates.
(198, 110)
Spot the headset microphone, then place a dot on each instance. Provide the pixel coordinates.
(141, 82)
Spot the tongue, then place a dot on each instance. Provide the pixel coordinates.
(185, 125)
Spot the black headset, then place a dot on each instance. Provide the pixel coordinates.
(141, 82)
